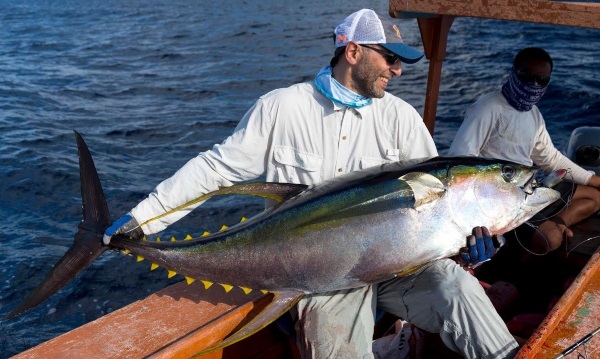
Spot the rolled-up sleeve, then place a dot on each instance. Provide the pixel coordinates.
(545, 155)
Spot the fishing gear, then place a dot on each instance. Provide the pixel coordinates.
(580, 342)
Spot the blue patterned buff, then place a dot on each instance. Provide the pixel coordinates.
(335, 91)
(520, 95)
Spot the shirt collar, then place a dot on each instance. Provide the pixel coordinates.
(336, 106)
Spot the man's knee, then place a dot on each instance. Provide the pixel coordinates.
(588, 193)
(336, 325)
(461, 288)
(596, 197)
(452, 287)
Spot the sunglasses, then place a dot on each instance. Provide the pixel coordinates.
(528, 77)
(389, 56)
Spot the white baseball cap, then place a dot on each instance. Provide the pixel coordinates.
(365, 27)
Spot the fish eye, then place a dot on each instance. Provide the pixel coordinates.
(508, 172)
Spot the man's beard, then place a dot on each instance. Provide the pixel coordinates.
(365, 78)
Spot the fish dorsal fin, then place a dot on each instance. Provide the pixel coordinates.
(278, 192)
(426, 188)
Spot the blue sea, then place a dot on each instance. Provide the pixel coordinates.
(149, 84)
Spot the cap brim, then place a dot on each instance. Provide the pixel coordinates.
(407, 54)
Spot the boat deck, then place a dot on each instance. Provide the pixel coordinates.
(577, 313)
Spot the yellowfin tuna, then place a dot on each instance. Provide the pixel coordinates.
(361, 228)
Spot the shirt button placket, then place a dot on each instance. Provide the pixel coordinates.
(340, 170)
(342, 150)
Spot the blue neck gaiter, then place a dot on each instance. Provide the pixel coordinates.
(335, 91)
(520, 95)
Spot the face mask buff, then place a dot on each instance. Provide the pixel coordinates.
(335, 91)
(521, 95)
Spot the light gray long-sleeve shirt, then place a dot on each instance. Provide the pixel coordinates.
(294, 135)
(493, 128)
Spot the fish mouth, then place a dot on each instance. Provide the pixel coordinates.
(537, 197)
(538, 188)
(538, 180)
(531, 184)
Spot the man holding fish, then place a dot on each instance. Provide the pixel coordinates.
(343, 121)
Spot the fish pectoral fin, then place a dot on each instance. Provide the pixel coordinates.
(426, 188)
(263, 314)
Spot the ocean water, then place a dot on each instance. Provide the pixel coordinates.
(149, 84)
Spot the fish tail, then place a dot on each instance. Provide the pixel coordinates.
(87, 245)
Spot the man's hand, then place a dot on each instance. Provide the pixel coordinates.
(125, 225)
(550, 235)
(481, 246)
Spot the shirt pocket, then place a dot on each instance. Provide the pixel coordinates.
(293, 166)
(391, 155)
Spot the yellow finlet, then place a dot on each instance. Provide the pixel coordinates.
(126, 251)
(173, 239)
(227, 287)
(246, 290)
(264, 291)
(206, 283)
(158, 239)
(223, 228)
(187, 238)
(144, 238)
(171, 273)
(153, 266)
(206, 233)
(189, 280)
(243, 219)
(139, 258)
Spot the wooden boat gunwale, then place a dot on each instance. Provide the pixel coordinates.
(569, 300)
